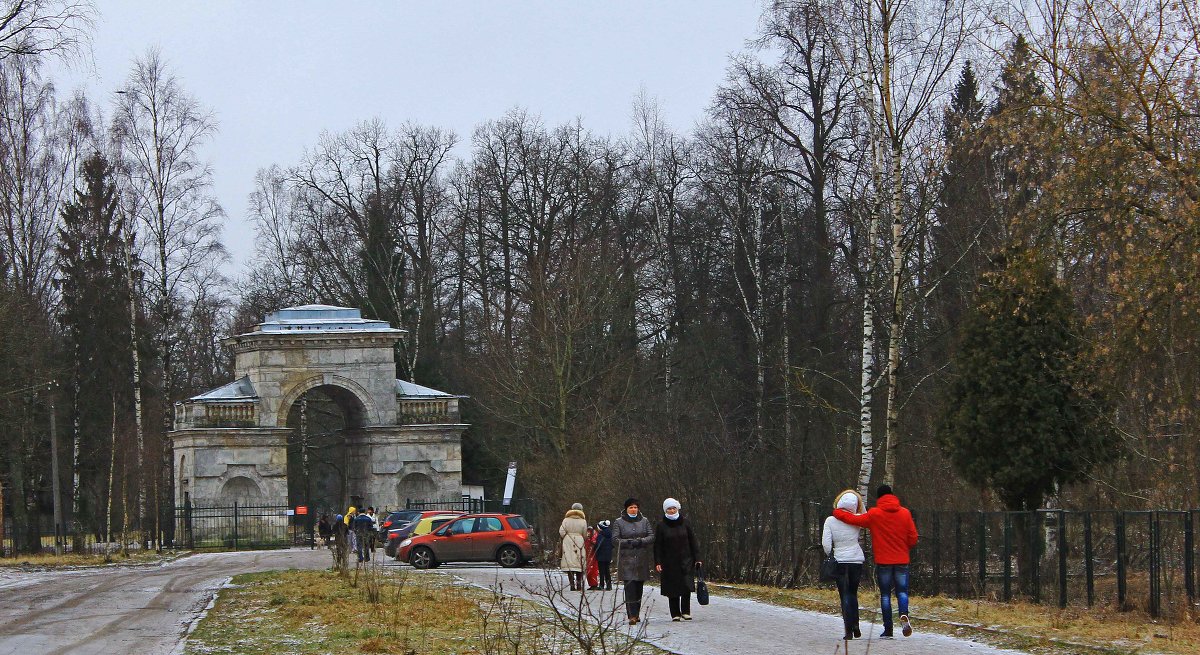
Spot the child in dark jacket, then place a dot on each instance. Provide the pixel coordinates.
(604, 553)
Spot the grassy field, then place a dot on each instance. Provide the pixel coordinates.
(302, 612)
(1032, 628)
(320, 612)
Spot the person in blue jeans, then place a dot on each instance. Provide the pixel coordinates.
(893, 535)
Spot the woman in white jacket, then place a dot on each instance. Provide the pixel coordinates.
(574, 533)
(842, 540)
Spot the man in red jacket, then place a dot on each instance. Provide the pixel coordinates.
(893, 534)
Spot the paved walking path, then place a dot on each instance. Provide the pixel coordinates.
(148, 609)
(733, 626)
(144, 609)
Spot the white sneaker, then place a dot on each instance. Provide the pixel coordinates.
(905, 626)
(687, 617)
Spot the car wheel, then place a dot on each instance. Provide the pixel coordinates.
(422, 558)
(508, 557)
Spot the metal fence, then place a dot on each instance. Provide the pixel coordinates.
(1128, 560)
(237, 526)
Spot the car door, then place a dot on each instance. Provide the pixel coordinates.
(457, 541)
(488, 535)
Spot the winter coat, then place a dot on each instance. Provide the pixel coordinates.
(573, 531)
(604, 544)
(676, 551)
(893, 532)
(633, 541)
(841, 537)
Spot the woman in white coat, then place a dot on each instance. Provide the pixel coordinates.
(842, 540)
(574, 555)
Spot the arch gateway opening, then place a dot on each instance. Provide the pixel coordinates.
(316, 417)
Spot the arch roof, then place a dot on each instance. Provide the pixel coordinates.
(406, 389)
(239, 389)
(321, 318)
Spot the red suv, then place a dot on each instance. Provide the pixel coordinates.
(501, 538)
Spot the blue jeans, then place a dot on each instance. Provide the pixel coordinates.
(891, 577)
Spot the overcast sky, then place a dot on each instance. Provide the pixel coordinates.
(276, 74)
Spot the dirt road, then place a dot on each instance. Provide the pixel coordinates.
(118, 609)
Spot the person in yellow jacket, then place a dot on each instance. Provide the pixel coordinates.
(351, 537)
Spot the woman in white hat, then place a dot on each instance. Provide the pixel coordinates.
(676, 556)
(841, 539)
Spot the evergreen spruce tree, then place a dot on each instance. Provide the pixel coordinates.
(1023, 413)
(968, 227)
(94, 313)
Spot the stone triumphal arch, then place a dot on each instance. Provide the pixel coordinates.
(397, 440)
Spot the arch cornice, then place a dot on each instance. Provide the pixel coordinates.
(370, 408)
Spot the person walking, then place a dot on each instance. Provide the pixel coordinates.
(841, 539)
(633, 538)
(604, 553)
(325, 528)
(573, 532)
(363, 527)
(351, 534)
(593, 571)
(893, 535)
(676, 557)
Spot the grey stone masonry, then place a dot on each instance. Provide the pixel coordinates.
(403, 440)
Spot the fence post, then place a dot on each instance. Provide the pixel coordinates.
(1062, 559)
(1035, 559)
(982, 554)
(937, 552)
(1189, 557)
(235, 525)
(1006, 551)
(1121, 556)
(958, 560)
(1088, 557)
(1155, 578)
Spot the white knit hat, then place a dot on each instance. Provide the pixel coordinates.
(671, 502)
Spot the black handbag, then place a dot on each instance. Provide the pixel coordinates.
(829, 566)
(701, 587)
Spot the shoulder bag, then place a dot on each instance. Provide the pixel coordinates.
(701, 586)
(829, 565)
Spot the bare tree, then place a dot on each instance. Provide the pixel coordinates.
(160, 129)
(40, 143)
(31, 28)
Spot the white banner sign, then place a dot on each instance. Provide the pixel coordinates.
(509, 483)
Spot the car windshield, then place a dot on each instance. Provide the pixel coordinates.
(405, 516)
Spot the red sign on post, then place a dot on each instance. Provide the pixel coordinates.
(301, 509)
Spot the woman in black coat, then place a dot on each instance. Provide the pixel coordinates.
(676, 556)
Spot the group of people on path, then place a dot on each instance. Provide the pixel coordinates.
(636, 546)
(671, 548)
(893, 535)
(358, 531)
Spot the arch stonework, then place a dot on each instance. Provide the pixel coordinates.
(394, 428)
(292, 394)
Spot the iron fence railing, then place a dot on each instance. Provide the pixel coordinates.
(1129, 560)
(237, 526)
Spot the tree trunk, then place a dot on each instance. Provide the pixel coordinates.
(137, 374)
(896, 323)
